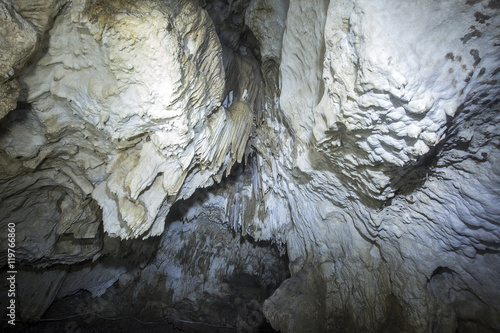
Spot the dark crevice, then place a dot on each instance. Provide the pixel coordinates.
(441, 270)
(19, 115)
(413, 176)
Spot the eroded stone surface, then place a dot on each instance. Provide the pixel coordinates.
(395, 112)
(201, 276)
(364, 143)
(19, 40)
(136, 98)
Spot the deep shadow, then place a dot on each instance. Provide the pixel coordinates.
(19, 115)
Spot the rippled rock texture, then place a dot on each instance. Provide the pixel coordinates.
(323, 166)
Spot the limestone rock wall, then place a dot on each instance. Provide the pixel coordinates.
(124, 110)
(19, 43)
(172, 142)
(125, 101)
(197, 275)
(391, 107)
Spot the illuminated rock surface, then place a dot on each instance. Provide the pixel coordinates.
(319, 166)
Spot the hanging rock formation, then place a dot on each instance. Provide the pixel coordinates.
(320, 166)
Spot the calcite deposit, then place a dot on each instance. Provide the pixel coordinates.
(246, 165)
(398, 222)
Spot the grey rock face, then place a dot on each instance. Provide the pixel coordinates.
(323, 166)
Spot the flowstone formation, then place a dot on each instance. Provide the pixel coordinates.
(315, 166)
(394, 206)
